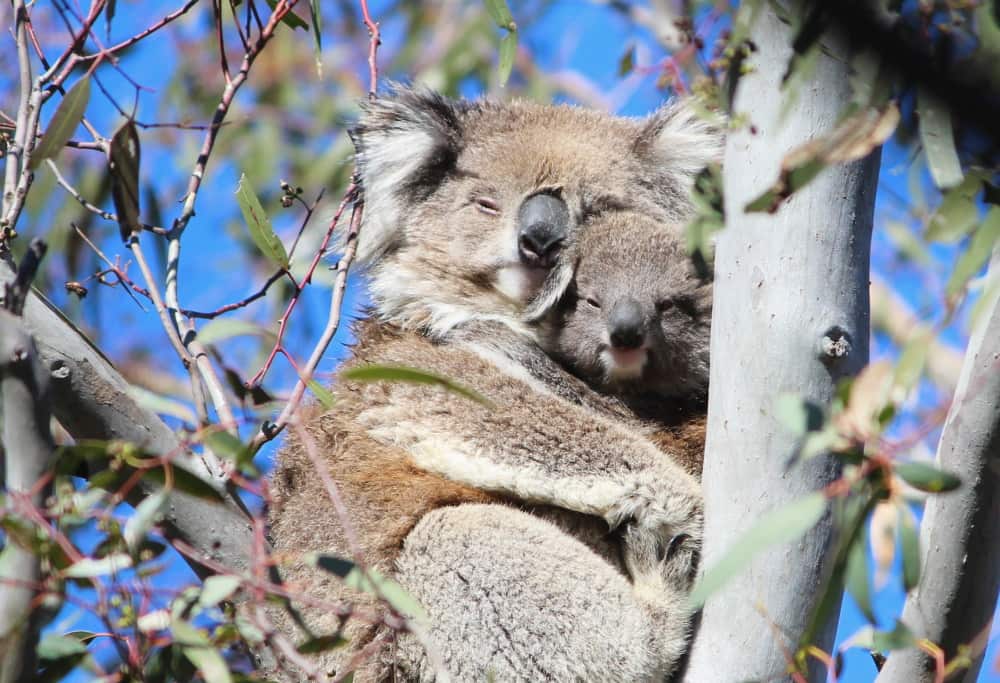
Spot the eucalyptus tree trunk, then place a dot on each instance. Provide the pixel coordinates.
(791, 314)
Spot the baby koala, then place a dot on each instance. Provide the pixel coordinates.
(634, 322)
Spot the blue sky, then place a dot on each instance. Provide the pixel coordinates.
(580, 36)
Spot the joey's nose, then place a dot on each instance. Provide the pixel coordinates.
(543, 222)
(625, 326)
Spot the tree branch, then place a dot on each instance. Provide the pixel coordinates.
(957, 593)
(91, 400)
(784, 283)
(28, 447)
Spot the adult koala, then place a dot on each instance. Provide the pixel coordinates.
(497, 518)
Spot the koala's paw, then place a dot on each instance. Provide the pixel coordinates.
(656, 564)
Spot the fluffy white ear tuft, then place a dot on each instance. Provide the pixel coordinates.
(404, 144)
(683, 137)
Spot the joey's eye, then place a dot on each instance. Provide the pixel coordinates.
(488, 206)
(591, 301)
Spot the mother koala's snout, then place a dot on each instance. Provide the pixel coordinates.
(542, 226)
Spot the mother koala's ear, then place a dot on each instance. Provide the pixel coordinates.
(405, 143)
(679, 140)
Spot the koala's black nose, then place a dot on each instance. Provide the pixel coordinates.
(625, 326)
(543, 222)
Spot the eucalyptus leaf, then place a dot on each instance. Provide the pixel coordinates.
(370, 581)
(142, 520)
(260, 225)
(909, 542)
(926, 477)
(398, 373)
(63, 123)
(938, 138)
(500, 13)
(857, 576)
(508, 50)
(217, 588)
(782, 525)
(977, 254)
(89, 568)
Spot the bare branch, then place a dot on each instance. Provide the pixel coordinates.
(28, 448)
(954, 602)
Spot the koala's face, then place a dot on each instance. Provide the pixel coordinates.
(637, 316)
(468, 205)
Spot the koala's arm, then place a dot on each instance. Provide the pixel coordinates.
(531, 444)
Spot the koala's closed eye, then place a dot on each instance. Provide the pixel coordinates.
(595, 206)
(487, 205)
(592, 301)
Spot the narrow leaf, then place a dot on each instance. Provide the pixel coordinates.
(957, 214)
(911, 363)
(798, 415)
(399, 373)
(291, 18)
(783, 525)
(224, 444)
(938, 139)
(926, 477)
(857, 576)
(89, 568)
(57, 647)
(218, 588)
(508, 50)
(370, 581)
(321, 644)
(186, 482)
(909, 543)
(978, 253)
(68, 115)
(123, 161)
(627, 61)
(314, 15)
(500, 13)
(221, 329)
(260, 225)
(142, 520)
(322, 394)
(200, 651)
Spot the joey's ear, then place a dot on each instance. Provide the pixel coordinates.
(405, 142)
(681, 138)
(556, 284)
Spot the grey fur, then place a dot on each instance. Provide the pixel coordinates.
(545, 535)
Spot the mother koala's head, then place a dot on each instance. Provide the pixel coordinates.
(469, 204)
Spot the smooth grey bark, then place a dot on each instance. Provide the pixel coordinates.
(28, 447)
(954, 602)
(91, 400)
(786, 286)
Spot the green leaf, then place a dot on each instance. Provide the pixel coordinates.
(186, 482)
(508, 50)
(123, 161)
(782, 525)
(370, 581)
(220, 329)
(627, 61)
(89, 568)
(398, 373)
(500, 13)
(926, 477)
(911, 363)
(291, 19)
(321, 644)
(217, 588)
(938, 139)
(316, 18)
(142, 520)
(260, 225)
(56, 647)
(224, 444)
(322, 394)
(200, 651)
(857, 576)
(978, 253)
(68, 115)
(910, 546)
(899, 638)
(162, 404)
(957, 214)
(907, 243)
(798, 415)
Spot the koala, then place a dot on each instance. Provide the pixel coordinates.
(635, 323)
(546, 536)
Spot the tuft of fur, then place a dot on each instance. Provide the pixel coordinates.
(546, 535)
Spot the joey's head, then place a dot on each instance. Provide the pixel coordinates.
(468, 205)
(636, 316)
